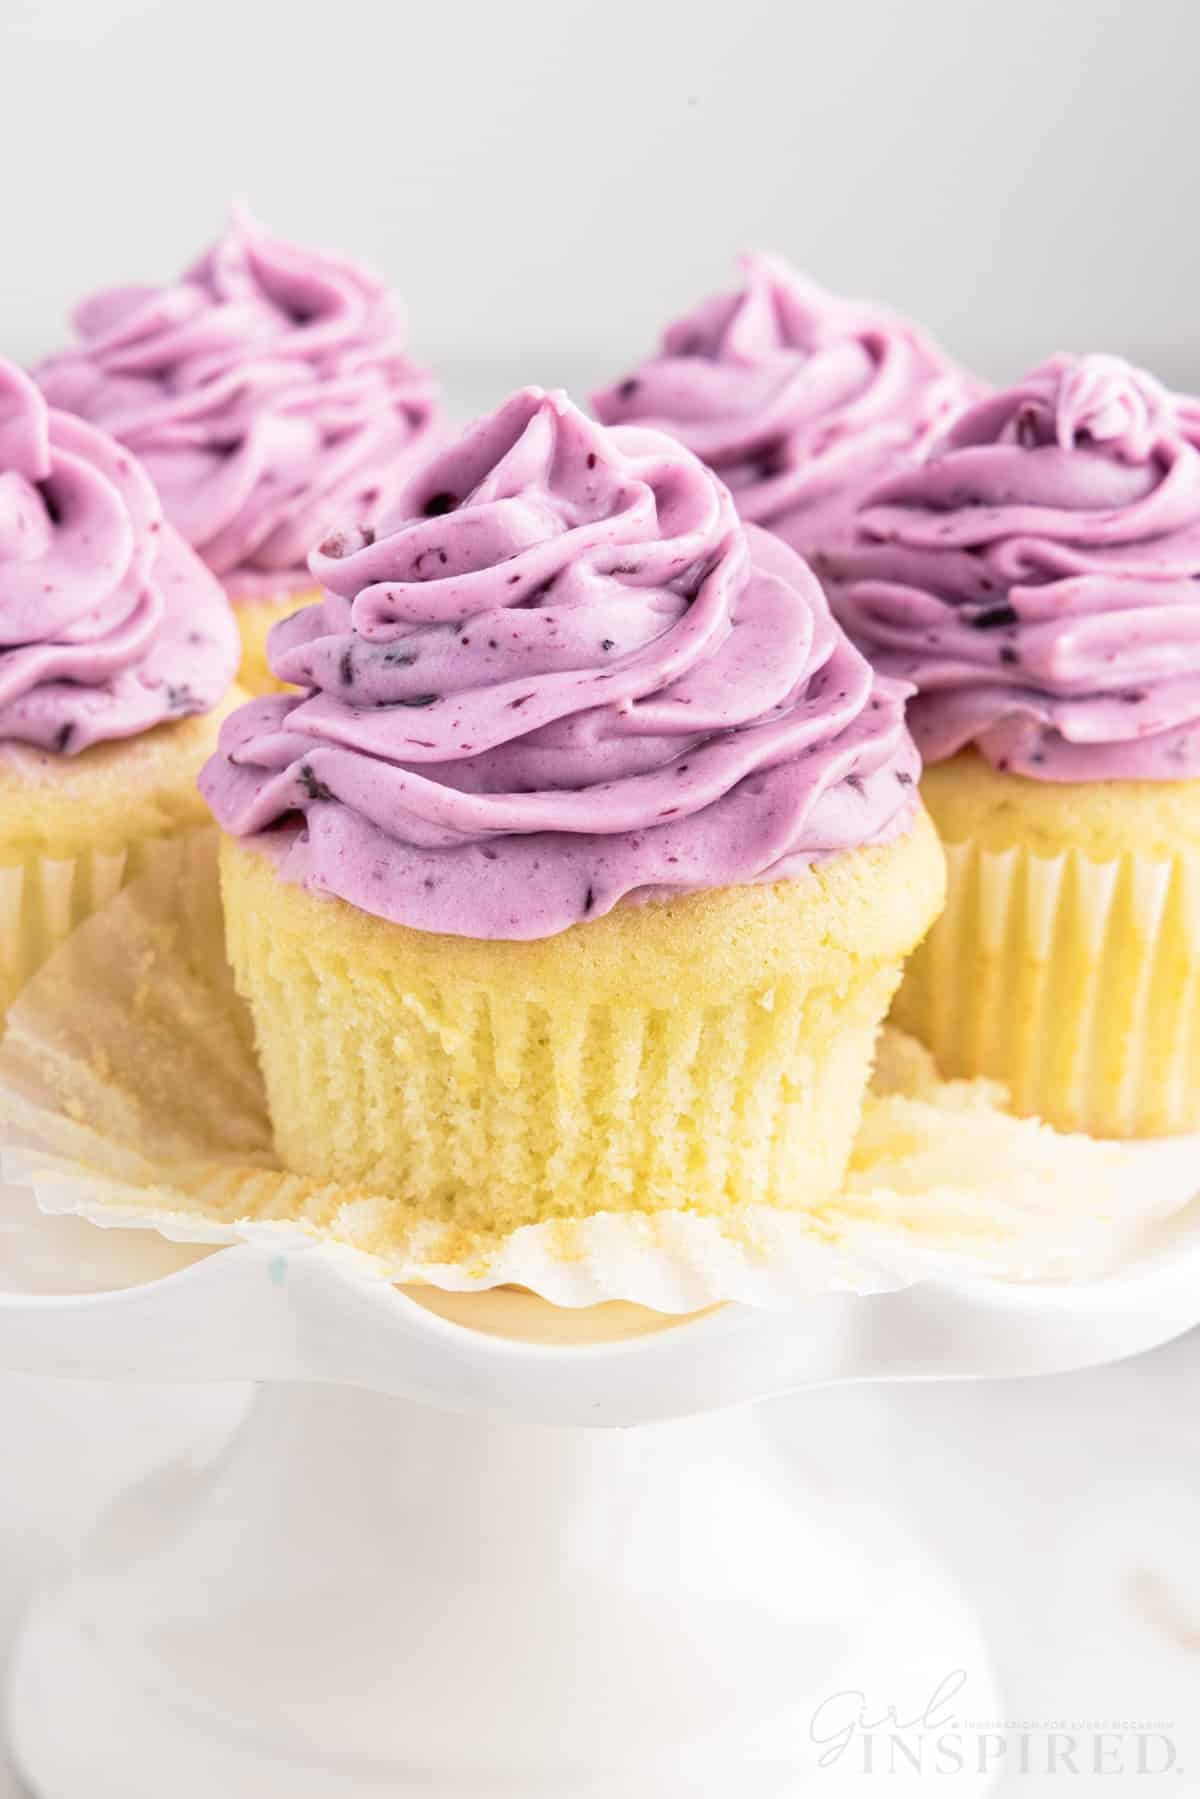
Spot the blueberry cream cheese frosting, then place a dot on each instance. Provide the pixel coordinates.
(268, 391)
(117, 654)
(109, 625)
(588, 838)
(1036, 582)
(800, 400)
(563, 673)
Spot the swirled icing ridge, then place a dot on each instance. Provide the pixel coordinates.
(109, 624)
(799, 400)
(267, 392)
(1036, 580)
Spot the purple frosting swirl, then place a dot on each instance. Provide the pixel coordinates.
(268, 393)
(109, 624)
(799, 400)
(1037, 579)
(563, 673)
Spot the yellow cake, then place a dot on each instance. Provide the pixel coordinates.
(256, 617)
(708, 1052)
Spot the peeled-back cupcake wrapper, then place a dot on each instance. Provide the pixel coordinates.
(1076, 982)
(130, 1095)
(44, 899)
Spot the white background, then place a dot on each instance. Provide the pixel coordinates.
(548, 180)
(547, 183)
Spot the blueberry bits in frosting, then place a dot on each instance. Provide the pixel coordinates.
(438, 504)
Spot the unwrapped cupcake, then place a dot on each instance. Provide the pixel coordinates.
(117, 654)
(1036, 581)
(268, 392)
(800, 400)
(581, 875)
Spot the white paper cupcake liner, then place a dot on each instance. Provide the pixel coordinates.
(1074, 982)
(44, 899)
(130, 1096)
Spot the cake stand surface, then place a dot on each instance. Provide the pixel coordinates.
(423, 1568)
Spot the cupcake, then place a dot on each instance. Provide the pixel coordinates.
(117, 651)
(267, 392)
(1036, 582)
(580, 876)
(798, 399)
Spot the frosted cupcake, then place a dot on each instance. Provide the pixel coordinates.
(1036, 581)
(798, 399)
(268, 392)
(117, 653)
(581, 876)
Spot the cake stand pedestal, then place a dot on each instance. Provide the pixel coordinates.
(426, 1568)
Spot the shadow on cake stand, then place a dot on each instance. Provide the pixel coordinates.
(471, 1547)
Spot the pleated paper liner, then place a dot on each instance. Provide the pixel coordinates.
(44, 899)
(1075, 982)
(130, 1096)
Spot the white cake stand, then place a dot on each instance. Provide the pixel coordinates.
(430, 1567)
